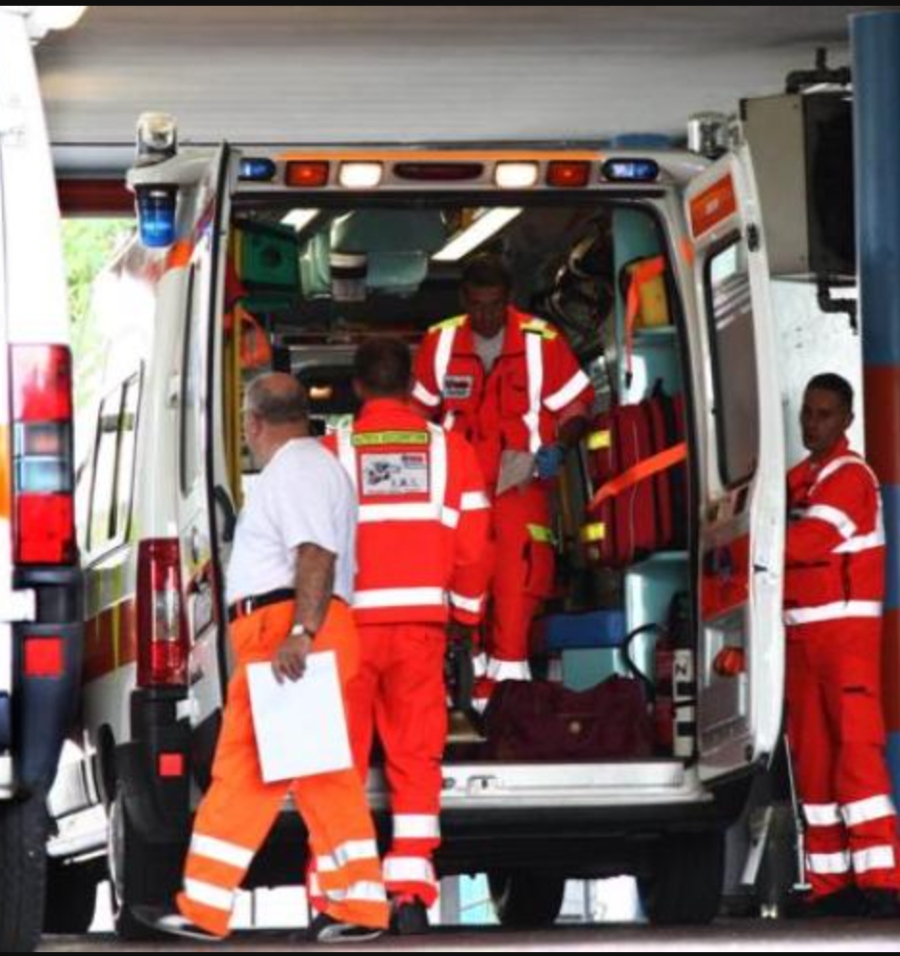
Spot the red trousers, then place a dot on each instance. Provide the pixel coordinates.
(399, 693)
(837, 737)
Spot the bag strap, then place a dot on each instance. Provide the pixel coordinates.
(640, 472)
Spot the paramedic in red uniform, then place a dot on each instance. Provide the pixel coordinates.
(834, 588)
(423, 530)
(290, 584)
(509, 383)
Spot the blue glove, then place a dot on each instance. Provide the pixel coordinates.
(549, 459)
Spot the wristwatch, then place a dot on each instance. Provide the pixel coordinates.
(298, 630)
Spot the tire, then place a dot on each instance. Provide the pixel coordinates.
(23, 869)
(685, 885)
(71, 897)
(524, 899)
(141, 874)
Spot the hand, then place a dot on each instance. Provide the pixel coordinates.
(549, 459)
(290, 659)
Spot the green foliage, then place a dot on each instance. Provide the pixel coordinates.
(88, 245)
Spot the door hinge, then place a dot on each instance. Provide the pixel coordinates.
(754, 240)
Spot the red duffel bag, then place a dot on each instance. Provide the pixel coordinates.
(536, 720)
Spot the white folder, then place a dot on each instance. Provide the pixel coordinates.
(301, 727)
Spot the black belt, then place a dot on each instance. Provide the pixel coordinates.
(248, 605)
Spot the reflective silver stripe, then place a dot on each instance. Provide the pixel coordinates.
(862, 542)
(442, 356)
(449, 421)
(479, 665)
(865, 811)
(361, 892)
(423, 511)
(472, 605)
(438, 456)
(479, 704)
(846, 528)
(450, 517)
(421, 394)
(568, 393)
(354, 850)
(839, 463)
(534, 361)
(822, 814)
(221, 851)
(408, 869)
(206, 894)
(399, 597)
(474, 501)
(828, 864)
(508, 670)
(347, 456)
(416, 826)
(832, 612)
(874, 858)
(314, 889)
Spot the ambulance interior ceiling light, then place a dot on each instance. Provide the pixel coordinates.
(485, 226)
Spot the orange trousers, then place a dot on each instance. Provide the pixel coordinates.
(238, 810)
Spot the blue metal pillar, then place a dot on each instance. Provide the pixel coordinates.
(876, 85)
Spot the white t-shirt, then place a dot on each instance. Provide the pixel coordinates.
(302, 496)
(489, 350)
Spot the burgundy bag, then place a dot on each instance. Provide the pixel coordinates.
(536, 720)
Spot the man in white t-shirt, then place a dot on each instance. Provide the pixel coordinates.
(290, 584)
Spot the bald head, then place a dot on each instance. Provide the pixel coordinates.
(278, 399)
(276, 411)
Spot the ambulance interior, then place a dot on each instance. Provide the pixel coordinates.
(306, 285)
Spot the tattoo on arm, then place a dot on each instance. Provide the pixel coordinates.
(314, 584)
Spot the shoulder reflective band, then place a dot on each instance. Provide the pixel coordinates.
(641, 274)
(364, 439)
(641, 471)
(539, 533)
(599, 440)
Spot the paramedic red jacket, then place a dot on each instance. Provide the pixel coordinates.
(835, 541)
(535, 386)
(423, 518)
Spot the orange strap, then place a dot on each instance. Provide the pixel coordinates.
(639, 472)
(640, 275)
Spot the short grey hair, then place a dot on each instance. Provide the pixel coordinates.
(283, 405)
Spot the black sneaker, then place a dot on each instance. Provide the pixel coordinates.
(881, 904)
(409, 916)
(172, 923)
(847, 902)
(327, 929)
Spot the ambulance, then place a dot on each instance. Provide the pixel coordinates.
(41, 608)
(250, 259)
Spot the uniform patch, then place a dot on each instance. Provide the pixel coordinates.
(401, 473)
(458, 386)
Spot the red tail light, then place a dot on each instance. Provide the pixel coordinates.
(162, 628)
(43, 473)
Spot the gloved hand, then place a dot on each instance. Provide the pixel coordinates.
(549, 459)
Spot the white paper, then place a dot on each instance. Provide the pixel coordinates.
(516, 469)
(301, 727)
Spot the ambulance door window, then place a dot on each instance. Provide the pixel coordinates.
(127, 446)
(733, 340)
(191, 406)
(103, 514)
